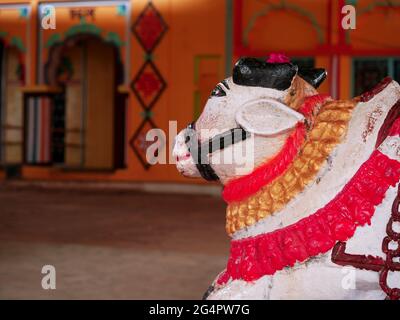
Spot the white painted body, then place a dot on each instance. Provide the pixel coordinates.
(319, 278)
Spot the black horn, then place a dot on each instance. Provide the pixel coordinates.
(314, 76)
(255, 72)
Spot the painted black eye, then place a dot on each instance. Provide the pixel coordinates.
(218, 92)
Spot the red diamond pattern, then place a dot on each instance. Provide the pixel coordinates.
(139, 144)
(149, 28)
(148, 85)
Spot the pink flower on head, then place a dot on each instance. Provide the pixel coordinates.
(278, 58)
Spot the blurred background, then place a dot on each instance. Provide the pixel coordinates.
(77, 99)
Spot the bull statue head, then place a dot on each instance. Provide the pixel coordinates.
(260, 102)
(321, 190)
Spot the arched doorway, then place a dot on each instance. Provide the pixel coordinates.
(88, 119)
(11, 106)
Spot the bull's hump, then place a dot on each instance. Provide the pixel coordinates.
(371, 121)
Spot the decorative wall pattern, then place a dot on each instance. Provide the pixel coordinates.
(148, 84)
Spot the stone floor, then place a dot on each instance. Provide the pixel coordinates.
(109, 244)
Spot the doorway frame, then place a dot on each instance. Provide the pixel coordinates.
(51, 88)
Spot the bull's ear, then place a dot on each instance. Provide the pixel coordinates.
(267, 117)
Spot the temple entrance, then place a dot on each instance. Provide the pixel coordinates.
(11, 111)
(88, 119)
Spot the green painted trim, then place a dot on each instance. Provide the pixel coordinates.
(87, 28)
(113, 38)
(197, 106)
(18, 43)
(65, 66)
(83, 27)
(197, 60)
(196, 77)
(148, 56)
(281, 6)
(228, 38)
(14, 41)
(377, 4)
(53, 40)
(147, 114)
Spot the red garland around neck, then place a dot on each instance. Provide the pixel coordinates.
(243, 187)
(252, 258)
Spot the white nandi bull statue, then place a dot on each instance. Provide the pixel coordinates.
(323, 191)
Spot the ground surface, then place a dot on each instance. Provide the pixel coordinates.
(109, 245)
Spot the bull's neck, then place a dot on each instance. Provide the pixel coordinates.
(291, 177)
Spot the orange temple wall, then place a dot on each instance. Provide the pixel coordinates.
(173, 74)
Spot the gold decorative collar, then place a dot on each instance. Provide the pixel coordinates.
(329, 128)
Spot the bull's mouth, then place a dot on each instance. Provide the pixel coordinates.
(184, 162)
(182, 158)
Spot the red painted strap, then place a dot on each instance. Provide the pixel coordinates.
(366, 96)
(389, 125)
(310, 103)
(395, 130)
(243, 187)
(252, 258)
